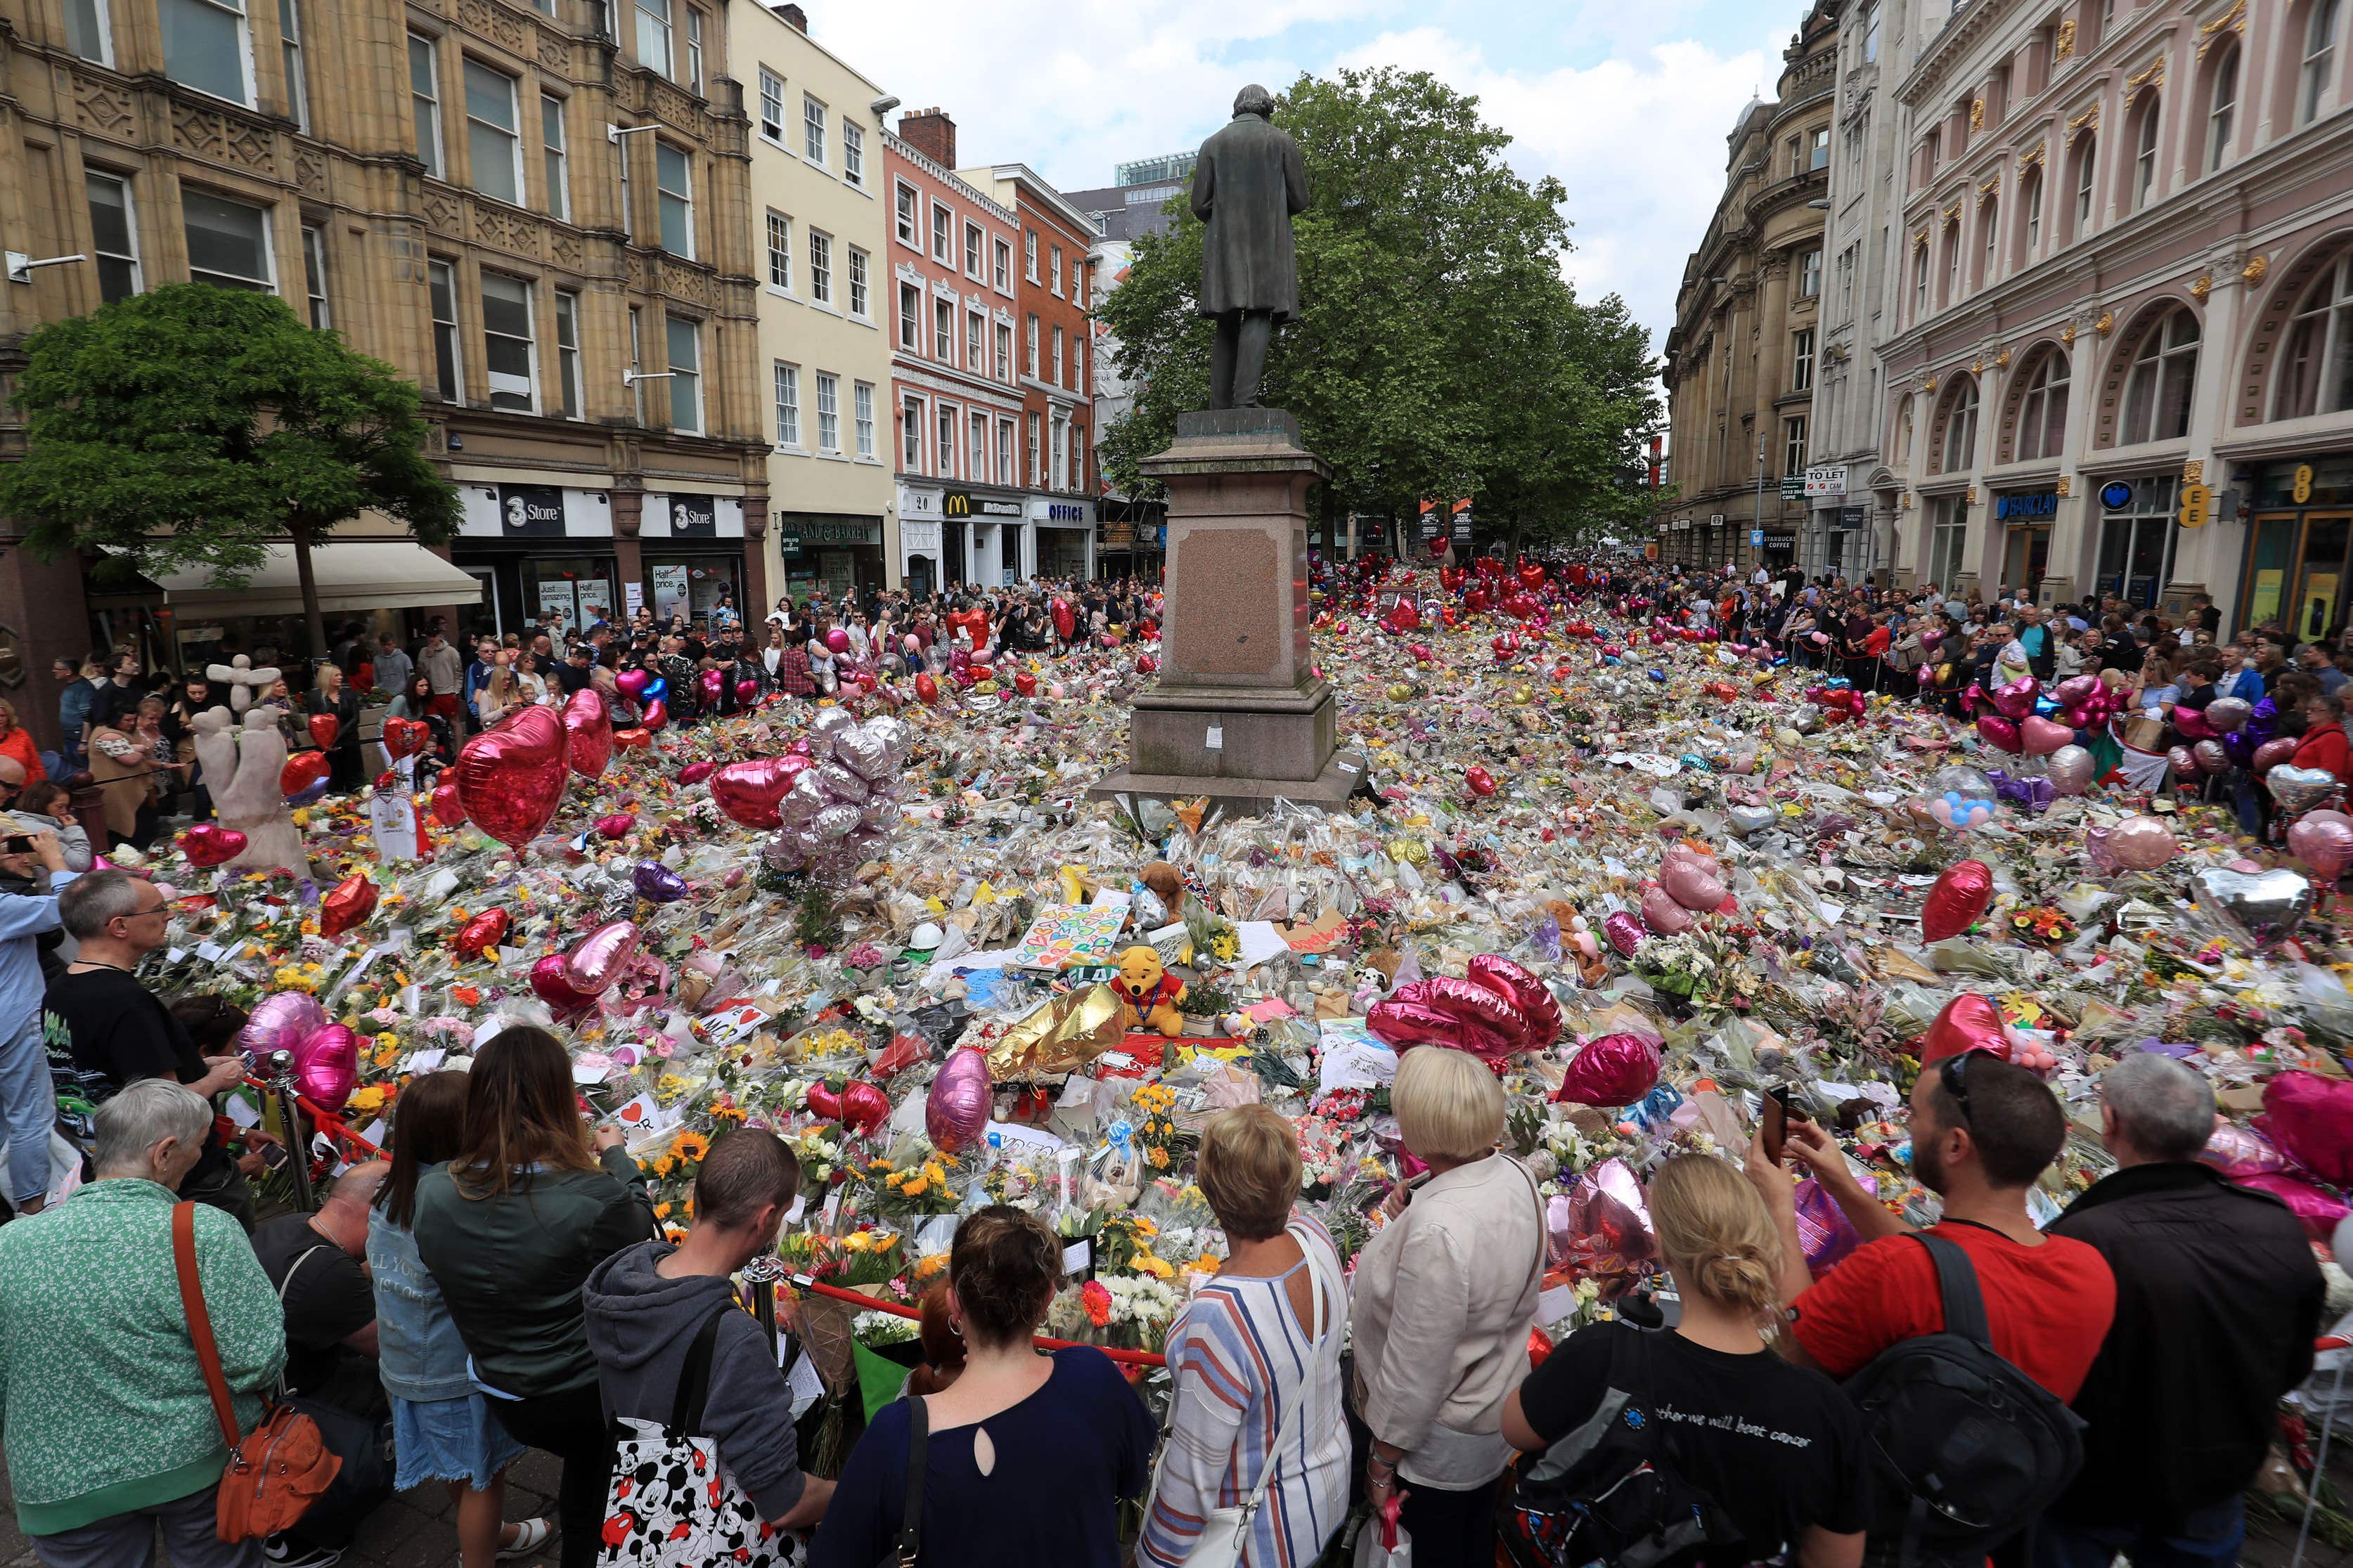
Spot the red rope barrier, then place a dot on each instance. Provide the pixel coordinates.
(336, 1127)
(1134, 1358)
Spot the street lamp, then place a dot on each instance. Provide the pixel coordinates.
(20, 266)
(1758, 526)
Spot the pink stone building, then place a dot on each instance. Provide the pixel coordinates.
(2115, 274)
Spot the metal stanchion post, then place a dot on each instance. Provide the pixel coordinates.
(760, 1278)
(289, 1118)
(2320, 1457)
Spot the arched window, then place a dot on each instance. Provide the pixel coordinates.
(2086, 169)
(2221, 106)
(1960, 428)
(2316, 74)
(1988, 262)
(1920, 281)
(1952, 262)
(2315, 363)
(2030, 196)
(2143, 169)
(2043, 410)
(2164, 368)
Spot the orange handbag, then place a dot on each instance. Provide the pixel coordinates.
(276, 1471)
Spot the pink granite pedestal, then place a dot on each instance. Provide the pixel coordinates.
(1240, 714)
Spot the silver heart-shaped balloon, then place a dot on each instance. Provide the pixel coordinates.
(1747, 820)
(840, 783)
(2263, 906)
(2299, 789)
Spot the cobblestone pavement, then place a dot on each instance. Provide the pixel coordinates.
(413, 1530)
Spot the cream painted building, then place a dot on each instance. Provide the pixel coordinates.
(818, 208)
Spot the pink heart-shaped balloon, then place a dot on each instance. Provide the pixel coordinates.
(601, 957)
(279, 1022)
(1969, 1023)
(588, 729)
(2000, 733)
(510, 777)
(1663, 914)
(547, 983)
(327, 1066)
(2041, 737)
(2016, 700)
(750, 792)
(631, 683)
(695, 773)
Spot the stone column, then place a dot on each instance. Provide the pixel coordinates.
(1239, 713)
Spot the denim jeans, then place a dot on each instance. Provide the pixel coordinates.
(28, 1107)
(2209, 1538)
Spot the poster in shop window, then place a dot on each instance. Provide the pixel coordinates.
(669, 590)
(556, 598)
(596, 601)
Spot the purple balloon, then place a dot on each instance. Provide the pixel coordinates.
(657, 883)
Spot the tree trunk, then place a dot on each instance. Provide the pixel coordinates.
(1331, 530)
(312, 621)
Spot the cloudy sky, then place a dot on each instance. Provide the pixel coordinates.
(1626, 101)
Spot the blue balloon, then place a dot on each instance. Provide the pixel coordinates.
(1658, 675)
(656, 689)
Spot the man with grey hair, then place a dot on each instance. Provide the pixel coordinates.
(2217, 1300)
(103, 1029)
(109, 1427)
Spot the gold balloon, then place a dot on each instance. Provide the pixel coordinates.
(1058, 1036)
(1411, 850)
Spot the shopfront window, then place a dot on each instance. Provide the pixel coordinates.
(2136, 542)
(578, 587)
(690, 586)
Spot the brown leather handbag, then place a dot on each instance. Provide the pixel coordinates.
(276, 1471)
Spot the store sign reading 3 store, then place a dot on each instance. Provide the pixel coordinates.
(531, 511)
(693, 517)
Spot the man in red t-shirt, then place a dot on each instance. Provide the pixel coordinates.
(1982, 1131)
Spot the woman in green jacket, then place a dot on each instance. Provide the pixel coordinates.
(510, 1229)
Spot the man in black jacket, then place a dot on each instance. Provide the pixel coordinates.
(2218, 1301)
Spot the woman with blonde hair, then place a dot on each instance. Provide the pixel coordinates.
(331, 697)
(131, 760)
(1444, 1297)
(1254, 1364)
(1780, 1450)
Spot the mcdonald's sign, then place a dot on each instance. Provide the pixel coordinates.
(958, 503)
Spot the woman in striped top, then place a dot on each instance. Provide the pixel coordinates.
(1240, 1353)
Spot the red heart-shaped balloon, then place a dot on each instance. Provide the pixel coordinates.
(1969, 1023)
(1960, 896)
(695, 773)
(927, 688)
(749, 792)
(447, 809)
(1481, 782)
(631, 739)
(353, 900)
(209, 844)
(617, 826)
(588, 729)
(302, 770)
(824, 1101)
(548, 983)
(405, 737)
(486, 929)
(325, 728)
(864, 1107)
(1025, 683)
(655, 715)
(510, 777)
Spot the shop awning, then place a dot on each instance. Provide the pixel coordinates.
(354, 578)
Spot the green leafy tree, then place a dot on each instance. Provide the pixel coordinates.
(1438, 352)
(190, 426)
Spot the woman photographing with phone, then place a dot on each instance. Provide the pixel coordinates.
(1778, 1449)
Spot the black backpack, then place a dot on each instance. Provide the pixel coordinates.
(1968, 1450)
(1612, 1492)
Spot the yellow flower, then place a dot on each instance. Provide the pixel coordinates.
(689, 1146)
(1159, 1159)
(930, 1266)
(664, 1165)
(1155, 1267)
(662, 1211)
(367, 1101)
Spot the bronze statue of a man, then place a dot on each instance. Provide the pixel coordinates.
(1247, 184)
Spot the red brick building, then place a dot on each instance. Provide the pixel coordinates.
(1052, 340)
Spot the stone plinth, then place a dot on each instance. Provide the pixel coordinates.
(1240, 714)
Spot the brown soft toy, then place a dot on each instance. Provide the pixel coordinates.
(1167, 884)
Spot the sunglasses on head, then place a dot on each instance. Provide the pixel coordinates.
(1950, 1074)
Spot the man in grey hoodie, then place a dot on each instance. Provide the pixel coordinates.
(646, 1303)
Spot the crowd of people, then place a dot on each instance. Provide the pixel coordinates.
(499, 1284)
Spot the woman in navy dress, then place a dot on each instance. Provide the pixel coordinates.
(1028, 1454)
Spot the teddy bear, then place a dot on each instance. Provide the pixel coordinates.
(1148, 993)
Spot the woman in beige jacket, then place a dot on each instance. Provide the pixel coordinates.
(1443, 1299)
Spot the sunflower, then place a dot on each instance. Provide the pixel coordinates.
(690, 1147)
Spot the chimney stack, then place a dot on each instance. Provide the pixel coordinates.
(931, 132)
(794, 14)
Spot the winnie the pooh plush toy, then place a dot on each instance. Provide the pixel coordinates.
(1149, 992)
